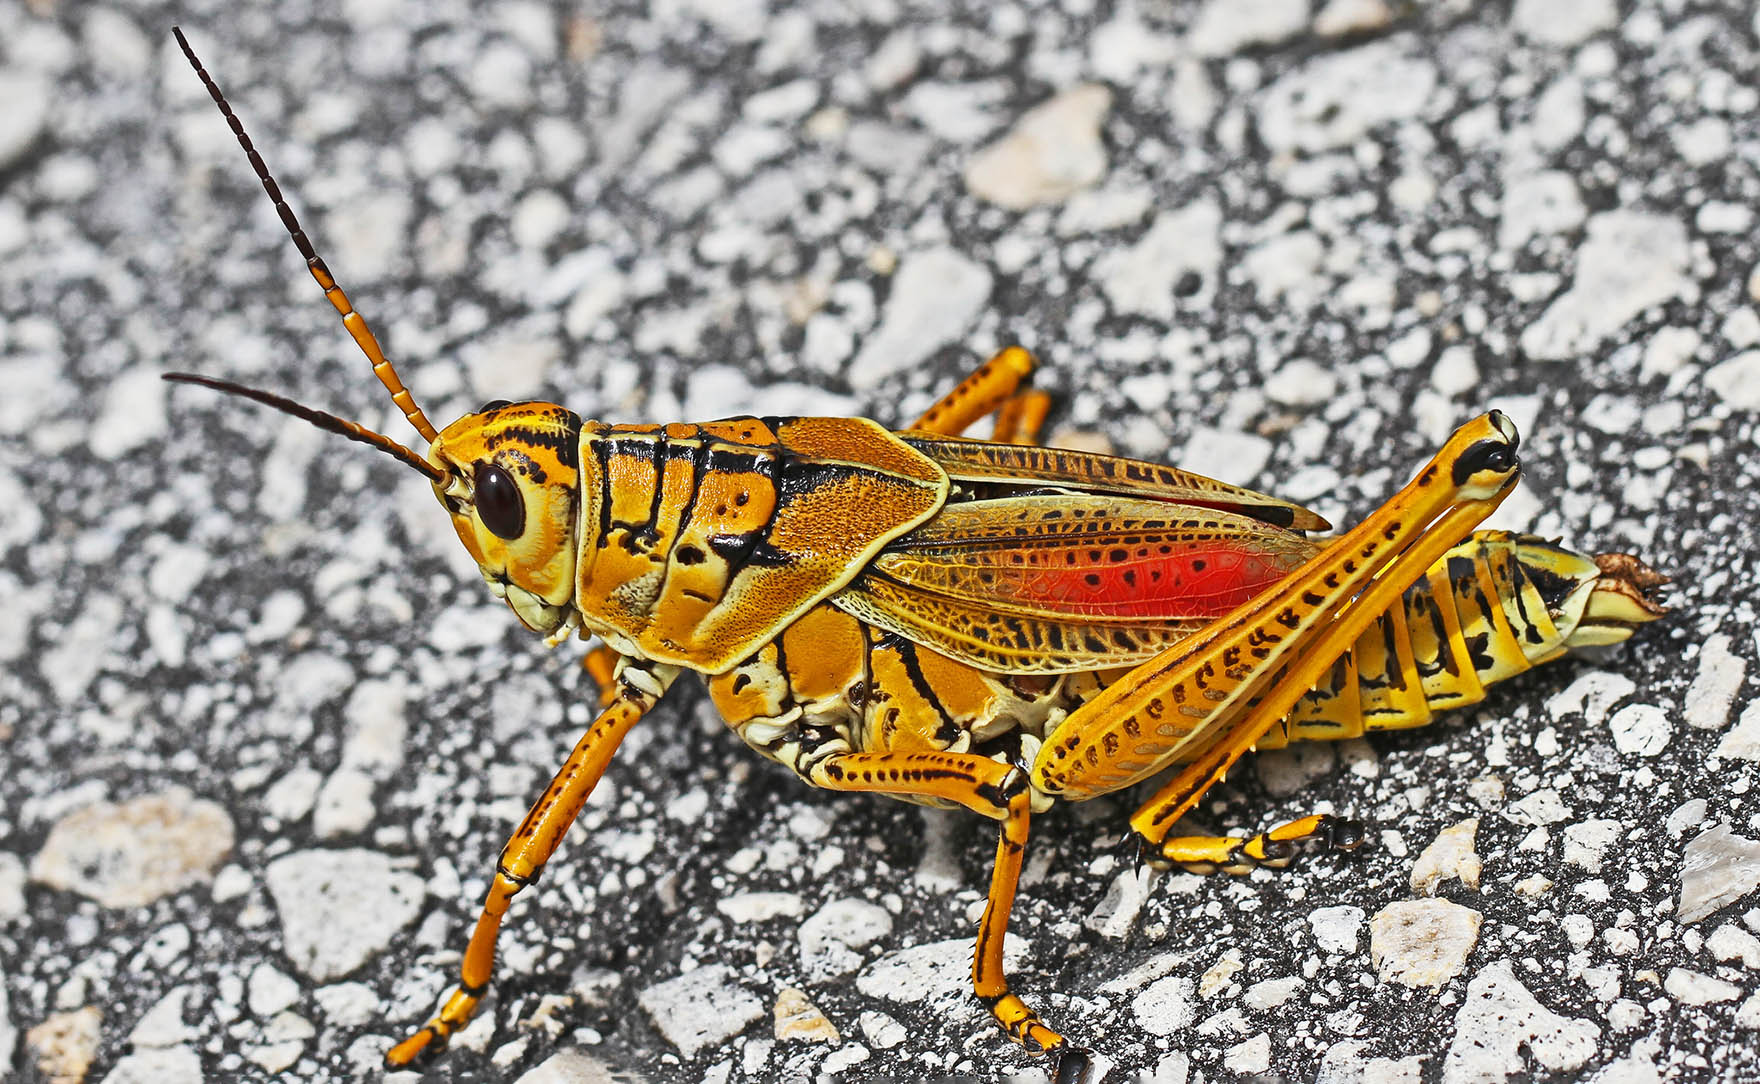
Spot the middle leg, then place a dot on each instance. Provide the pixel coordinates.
(994, 387)
(995, 790)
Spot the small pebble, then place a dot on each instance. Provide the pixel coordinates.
(700, 1009)
(1500, 1025)
(1449, 856)
(1052, 152)
(798, 1018)
(131, 853)
(340, 908)
(1422, 943)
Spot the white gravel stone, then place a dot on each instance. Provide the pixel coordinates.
(1629, 262)
(1340, 18)
(1731, 942)
(135, 852)
(81, 647)
(1586, 842)
(1225, 454)
(21, 524)
(1640, 730)
(1271, 993)
(1743, 740)
(1227, 26)
(284, 1040)
(1335, 928)
(1422, 943)
(170, 1065)
(1124, 47)
(1541, 807)
(1748, 1015)
(1052, 152)
(338, 908)
(1594, 693)
(1449, 857)
(1165, 1005)
(745, 907)
(1142, 277)
(270, 990)
(1668, 350)
(310, 679)
(882, 1031)
(12, 879)
(1249, 1056)
(1115, 916)
(1345, 1063)
(957, 112)
(1569, 24)
(1287, 265)
(1638, 1067)
(936, 295)
(512, 364)
(162, 1025)
(1501, 1025)
(933, 977)
(1717, 869)
(8, 1030)
(344, 805)
(1722, 216)
(829, 939)
(1737, 381)
(701, 1009)
(796, 1017)
(1107, 208)
(1337, 98)
(1741, 327)
(574, 1066)
(1284, 772)
(28, 95)
(1538, 205)
(895, 62)
(1703, 141)
(1693, 988)
(348, 1004)
(291, 797)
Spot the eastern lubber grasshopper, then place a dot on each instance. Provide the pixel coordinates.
(991, 625)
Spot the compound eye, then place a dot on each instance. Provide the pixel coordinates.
(499, 504)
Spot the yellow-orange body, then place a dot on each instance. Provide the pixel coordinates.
(756, 552)
(984, 625)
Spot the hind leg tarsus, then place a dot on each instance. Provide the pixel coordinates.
(1274, 849)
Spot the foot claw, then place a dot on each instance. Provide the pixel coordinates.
(1072, 1067)
(1139, 852)
(1344, 835)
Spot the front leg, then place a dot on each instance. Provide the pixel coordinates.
(637, 687)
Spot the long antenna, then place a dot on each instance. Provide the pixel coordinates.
(354, 321)
(323, 420)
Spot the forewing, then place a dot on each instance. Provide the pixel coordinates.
(1090, 472)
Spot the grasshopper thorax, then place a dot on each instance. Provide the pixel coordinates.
(512, 487)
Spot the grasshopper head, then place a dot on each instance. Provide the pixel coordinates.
(511, 484)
